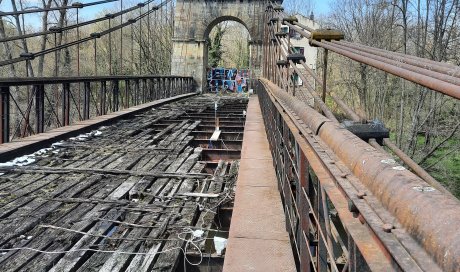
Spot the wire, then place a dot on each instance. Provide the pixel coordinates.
(83, 40)
(75, 5)
(108, 16)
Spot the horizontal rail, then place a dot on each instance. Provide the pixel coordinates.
(30, 106)
(24, 81)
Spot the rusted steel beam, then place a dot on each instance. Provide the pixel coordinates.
(416, 168)
(428, 215)
(440, 67)
(401, 64)
(429, 82)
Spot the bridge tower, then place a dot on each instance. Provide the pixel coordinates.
(194, 20)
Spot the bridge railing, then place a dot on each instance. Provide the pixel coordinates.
(34, 105)
(348, 206)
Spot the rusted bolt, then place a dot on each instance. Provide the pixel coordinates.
(361, 194)
(387, 227)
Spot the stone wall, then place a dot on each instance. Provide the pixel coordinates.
(193, 22)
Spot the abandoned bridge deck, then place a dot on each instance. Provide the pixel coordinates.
(127, 196)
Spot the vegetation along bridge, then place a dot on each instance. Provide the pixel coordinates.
(114, 158)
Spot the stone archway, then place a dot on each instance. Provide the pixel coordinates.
(193, 21)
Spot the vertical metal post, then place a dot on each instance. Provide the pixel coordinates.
(324, 73)
(115, 95)
(65, 104)
(86, 105)
(144, 90)
(136, 92)
(304, 229)
(4, 115)
(127, 87)
(39, 108)
(103, 98)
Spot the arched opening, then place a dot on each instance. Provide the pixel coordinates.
(227, 56)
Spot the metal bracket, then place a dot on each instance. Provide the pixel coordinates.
(296, 58)
(290, 19)
(326, 34)
(365, 131)
(283, 63)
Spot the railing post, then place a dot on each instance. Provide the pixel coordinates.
(303, 240)
(150, 89)
(66, 104)
(102, 98)
(39, 108)
(127, 88)
(4, 114)
(136, 92)
(115, 95)
(144, 90)
(87, 96)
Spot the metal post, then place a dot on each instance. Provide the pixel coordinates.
(102, 97)
(115, 95)
(304, 229)
(86, 105)
(324, 73)
(39, 108)
(66, 104)
(4, 115)
(136, 92)
(127, 86)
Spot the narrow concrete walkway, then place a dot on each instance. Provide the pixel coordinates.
(258, 240)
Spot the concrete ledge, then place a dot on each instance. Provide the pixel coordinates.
(258, 240)
(9, 151)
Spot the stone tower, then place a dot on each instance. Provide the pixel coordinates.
(193, 21)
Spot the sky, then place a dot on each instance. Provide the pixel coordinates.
(321, 7)
(86, 13)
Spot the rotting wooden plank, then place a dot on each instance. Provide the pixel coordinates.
(64, 213)
(97, 259)
(146, 262)
(55, 170)
(117, 261)
(76, 260)
(46, 238)
(18, 198)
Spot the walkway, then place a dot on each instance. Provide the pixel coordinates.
(258, 240)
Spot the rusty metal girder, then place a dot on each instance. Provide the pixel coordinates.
(415, 223)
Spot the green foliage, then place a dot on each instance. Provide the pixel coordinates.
(215, 48)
